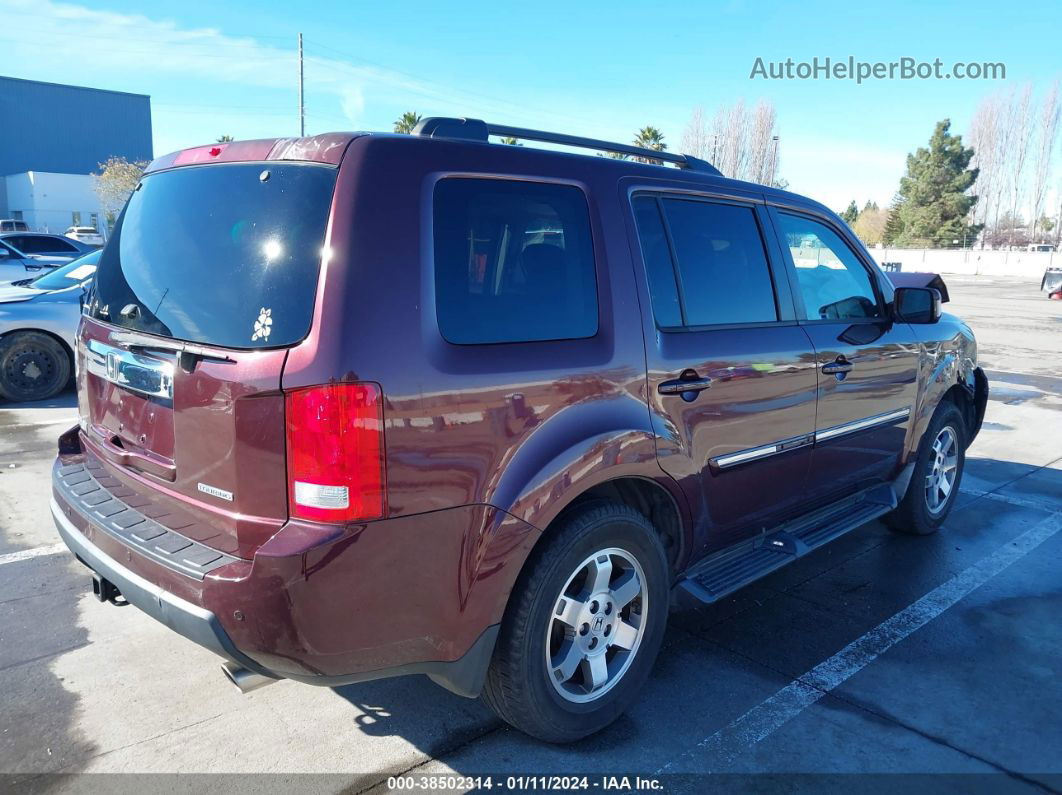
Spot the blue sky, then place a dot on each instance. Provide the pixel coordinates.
(595, 68)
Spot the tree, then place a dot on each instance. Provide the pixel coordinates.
(649, 137)
(870, 225)
(508, 140)
(1047, 133)
(762, 145)
(870, 206)
(893, 223)
(849, 216)
(1020, 122)
(695, 137)
(1009, 229)
(115, 182)
(742, 143)
(934, 206)
(407, 121)
(224, 139)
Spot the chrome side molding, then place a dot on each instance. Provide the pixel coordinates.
(133, 371)
(784, 445)
(887, 418)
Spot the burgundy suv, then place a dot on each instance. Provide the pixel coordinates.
(360, 405)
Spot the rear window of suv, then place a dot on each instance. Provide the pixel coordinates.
(513, 262)
(225, 254)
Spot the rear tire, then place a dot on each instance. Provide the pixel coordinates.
(33, 366)
(583, 626)
(937, 475)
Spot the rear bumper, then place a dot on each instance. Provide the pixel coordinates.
(193, 622)
(323, 605)
(463, 676)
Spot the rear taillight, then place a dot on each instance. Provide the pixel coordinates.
(335, 452)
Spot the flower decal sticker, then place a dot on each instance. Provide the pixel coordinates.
(263, 325)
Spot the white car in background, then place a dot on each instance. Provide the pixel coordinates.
(84, 234)
(38, 322)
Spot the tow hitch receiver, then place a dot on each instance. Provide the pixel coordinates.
(106, 591)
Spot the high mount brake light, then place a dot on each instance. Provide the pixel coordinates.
(335, 452)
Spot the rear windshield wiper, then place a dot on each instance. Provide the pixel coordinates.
(188, 353)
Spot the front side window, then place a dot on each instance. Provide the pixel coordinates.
(833, 282)
(514, 262)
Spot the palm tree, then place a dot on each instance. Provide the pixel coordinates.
(650, 137)
(407, 122)
(224, 139)
(508, 139)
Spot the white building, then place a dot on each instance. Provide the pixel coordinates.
(52, 202)
(53, 137)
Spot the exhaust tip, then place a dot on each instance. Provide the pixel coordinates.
(244, 679)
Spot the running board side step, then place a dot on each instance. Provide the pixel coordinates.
(730, 569)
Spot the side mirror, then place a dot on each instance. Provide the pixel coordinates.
(917, 304)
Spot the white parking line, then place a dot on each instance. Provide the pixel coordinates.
(1012, 499)
(719, 749)
(36, 552)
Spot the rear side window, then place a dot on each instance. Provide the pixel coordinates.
(659, 269)
(514, 262)
(225, 254)
(720, 267)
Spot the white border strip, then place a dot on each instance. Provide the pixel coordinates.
(720, 749)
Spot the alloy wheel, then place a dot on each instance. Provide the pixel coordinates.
(940, 482)
(597, 624)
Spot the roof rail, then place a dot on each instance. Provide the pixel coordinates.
(479, 130)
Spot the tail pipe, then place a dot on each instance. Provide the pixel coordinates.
(246, 680)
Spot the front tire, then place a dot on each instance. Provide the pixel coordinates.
(33, 366)
(937, 475)
(583, 626)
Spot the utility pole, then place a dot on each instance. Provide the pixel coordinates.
(774, 160)
(302, 106)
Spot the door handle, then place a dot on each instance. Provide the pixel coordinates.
(682, 386)
(839, 366)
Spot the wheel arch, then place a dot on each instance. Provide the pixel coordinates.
(954, 377)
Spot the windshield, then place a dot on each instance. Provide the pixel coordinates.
(68, 275)
(226, 254)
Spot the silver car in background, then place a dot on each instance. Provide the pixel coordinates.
(16, 264)
(38, 323)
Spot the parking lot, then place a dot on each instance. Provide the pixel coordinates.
(880, 653)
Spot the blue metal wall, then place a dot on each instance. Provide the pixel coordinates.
(69, 129)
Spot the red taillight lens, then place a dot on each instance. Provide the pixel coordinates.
(335, 452)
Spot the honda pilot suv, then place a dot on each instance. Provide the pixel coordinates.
(359, 405)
